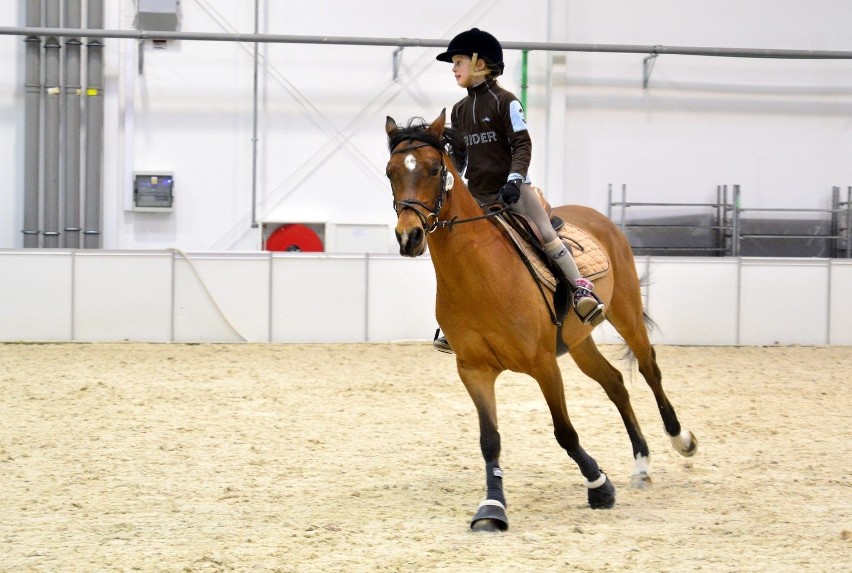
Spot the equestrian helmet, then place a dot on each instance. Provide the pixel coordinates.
(482, 43)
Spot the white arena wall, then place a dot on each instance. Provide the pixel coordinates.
(778, 128)
(171, 296)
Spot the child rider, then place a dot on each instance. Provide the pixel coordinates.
(499, 151)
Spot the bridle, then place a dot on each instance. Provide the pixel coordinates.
(431, 221)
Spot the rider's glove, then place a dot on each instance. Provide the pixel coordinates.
(511, 192)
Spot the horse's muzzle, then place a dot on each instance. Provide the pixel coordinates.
(411, 238)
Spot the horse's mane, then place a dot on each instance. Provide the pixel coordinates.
(417, 130)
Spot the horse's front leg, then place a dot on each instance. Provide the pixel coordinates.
(491, 514)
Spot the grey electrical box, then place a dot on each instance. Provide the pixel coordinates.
(153, 192)
(159, 15)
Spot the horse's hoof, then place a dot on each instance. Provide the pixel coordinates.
(603, 496)
(490, 517)
(488, 526)
(640, 481)
(685, 443)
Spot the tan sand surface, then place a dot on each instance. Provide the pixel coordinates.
(365, 457)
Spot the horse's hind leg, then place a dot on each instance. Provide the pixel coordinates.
(601, 492)
(683, 440)
(627, 317)
(593, 364)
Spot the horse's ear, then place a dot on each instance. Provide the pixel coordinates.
(390, 125)
(437, 126)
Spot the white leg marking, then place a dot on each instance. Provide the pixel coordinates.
(642, 464)
(685, 443)
(641, 478)
(491, 502)
(597, 483)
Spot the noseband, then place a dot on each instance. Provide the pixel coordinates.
(431, 222)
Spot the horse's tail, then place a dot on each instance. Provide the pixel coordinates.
(649, 322)
(644, 281)
(650, 325)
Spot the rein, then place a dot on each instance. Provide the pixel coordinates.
(432, 222)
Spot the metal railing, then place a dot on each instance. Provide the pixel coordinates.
(726, 229)
(717, 232)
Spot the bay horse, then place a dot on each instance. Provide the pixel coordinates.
(493, 314)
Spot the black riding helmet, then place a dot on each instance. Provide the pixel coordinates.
(484, 44)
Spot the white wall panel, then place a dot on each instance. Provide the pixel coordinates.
(783, 301)
(123, 296)
(840, 303)
(693, 299)
(35, 296)
(154, 296)
(401, 300)
(222, 298)
(317, 300)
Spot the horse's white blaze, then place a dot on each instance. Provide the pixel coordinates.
(410, 162)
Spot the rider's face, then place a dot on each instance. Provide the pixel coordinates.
(463, 72)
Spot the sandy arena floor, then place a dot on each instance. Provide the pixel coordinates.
(298, 458)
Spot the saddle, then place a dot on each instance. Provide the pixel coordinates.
(592, 261)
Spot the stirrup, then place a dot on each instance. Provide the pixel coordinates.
(591, 312)
(587, 305)
(441, 344)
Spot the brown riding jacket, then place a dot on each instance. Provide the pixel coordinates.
(498, 144)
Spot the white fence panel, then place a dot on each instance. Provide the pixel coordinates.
(298, 297)
(319, 298)
(401, 303)
(35, 296)
(693, 299)
(783, 301)
(122, 296)
(222, 298)
(840, 303)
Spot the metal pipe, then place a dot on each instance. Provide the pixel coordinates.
(32, 126)
(849, 222)
(52, 129)
(525, 57)
(725, 218)
(439, 43)
(735, 232)
(609, 201)
(835, 220)
(71, 188)
(94, 127)
(254, 123)
(720, 221)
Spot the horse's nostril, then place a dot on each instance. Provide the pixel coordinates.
(410, 241)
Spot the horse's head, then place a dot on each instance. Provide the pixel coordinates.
(419, 180)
